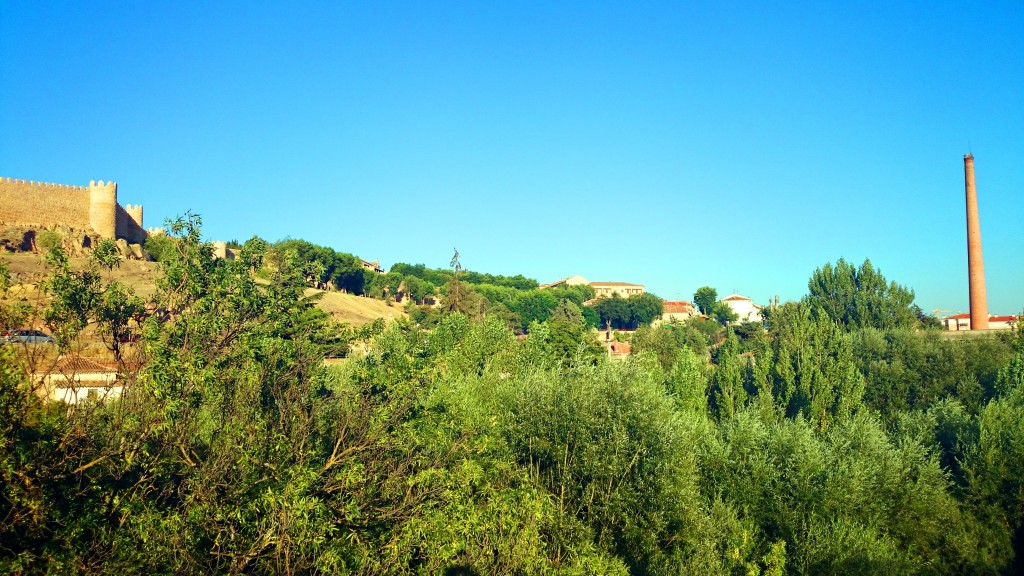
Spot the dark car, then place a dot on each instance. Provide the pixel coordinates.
(28, 337)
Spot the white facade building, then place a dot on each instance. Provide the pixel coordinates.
(743, 307)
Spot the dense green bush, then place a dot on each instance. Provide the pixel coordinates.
(466, 449)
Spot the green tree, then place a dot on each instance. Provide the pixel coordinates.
(660, 342)
(614, 312)
(813, 370)
(644, 308)
(705, 298)
(860, 297)
(105, 254)
(727, 391)
(723, 314)
(159, 246)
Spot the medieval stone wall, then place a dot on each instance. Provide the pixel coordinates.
(93, 207)
(43, 204)
(129, 224)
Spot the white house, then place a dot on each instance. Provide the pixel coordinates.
(743, 307)
(74, 379)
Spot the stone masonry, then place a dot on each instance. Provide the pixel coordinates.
(85, 207)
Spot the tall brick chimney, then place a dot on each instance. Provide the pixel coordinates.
(975, 264)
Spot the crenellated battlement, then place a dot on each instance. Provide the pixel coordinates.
(50, 185)
(94, 206)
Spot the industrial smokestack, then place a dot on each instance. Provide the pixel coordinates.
(975, 264)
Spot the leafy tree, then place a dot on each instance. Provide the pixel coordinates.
(567, 312)
(860, 297)
(159, 246)
(613, 312)
(565, 339)
(321, 265)
(628, 313)
(813, 370)
(705, 298)
(907, 369)
(464, 449)
(926, 321)
(660, 341)
(728, 393)
(723, 313)
(105, 254)
(533, 306)
(644, 308)
(416, 289)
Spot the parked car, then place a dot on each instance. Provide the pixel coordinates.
(28, 337)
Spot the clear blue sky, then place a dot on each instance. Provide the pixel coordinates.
(671, 144)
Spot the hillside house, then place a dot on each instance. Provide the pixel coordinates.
(371, 266)
(623, 289)
(74, 379)
(677, 310)
(743, 307)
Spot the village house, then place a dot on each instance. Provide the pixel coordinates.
(623, 289)
(677, 310)
(601, 289)
(74, 379)
(743, 307)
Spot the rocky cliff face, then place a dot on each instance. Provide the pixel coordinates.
(75, 241)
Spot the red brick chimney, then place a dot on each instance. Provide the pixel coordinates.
(975, 264)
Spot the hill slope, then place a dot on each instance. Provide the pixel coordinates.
(27, 269)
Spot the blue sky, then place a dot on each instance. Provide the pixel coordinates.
(671, 144)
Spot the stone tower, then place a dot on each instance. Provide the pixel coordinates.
(975, 264)
(103, 208)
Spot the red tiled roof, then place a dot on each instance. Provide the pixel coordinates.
(668, 307)
(734, 297)
(78, 365)
(621, 348)
(966, 315)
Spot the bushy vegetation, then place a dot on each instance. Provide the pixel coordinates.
(805, 448)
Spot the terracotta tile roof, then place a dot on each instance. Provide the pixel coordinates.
(670, 307)
(621, 348)
(77, 365)
(615, 284)
(991, 318)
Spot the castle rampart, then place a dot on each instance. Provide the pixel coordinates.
(95, 206)
(43, 203)
(129, 224)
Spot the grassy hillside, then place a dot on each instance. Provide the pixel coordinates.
(27, 269)
(356, 310)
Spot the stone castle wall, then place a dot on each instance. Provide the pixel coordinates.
(86, 207)
(43, 204)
